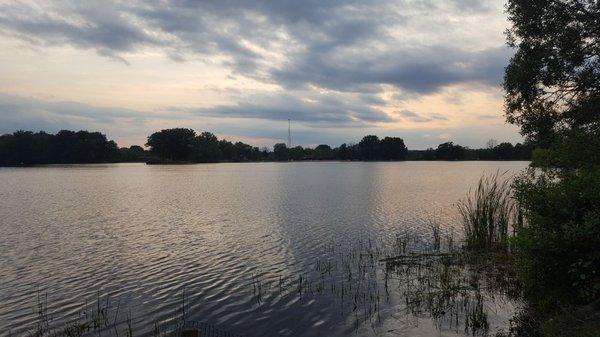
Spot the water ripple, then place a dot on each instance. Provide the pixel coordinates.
(142, 234)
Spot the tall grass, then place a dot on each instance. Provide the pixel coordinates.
(487, 213)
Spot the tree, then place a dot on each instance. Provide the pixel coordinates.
(23, 147)
(553, 80)
(393, 148)
(228, 150)
(92, 147)
(134, 153)
(503, 151)
(323, 152)
(449, 151)
(174, 144)
(369, 148)
(66, 147)
(243, 151)
(429, 154)
(297, 153)
(280, 151)
(207, 148)
(552, 88)
(343, 152)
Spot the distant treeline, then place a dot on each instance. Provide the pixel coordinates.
(181, 145)
(451, 151)
(64, 147)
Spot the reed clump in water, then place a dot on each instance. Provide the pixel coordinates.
(93, 319)
(487, 213)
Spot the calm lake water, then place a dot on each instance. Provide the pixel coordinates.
(239, 238)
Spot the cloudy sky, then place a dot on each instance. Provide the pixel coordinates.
(428, 71)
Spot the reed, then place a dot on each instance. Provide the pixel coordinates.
(436, 231)
(487, 213)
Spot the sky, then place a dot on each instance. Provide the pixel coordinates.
(427, 71)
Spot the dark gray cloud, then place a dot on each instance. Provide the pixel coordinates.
(319, 52)
(412, 70)
(94, 26)
(323, 109)
(21, 113)
(11, 104)
(341, 45)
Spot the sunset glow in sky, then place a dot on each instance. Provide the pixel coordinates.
(427, 71)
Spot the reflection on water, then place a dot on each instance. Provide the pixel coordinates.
(141, 234)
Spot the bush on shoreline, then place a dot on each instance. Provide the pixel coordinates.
(552, 94)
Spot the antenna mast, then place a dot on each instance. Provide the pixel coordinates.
(289, 133)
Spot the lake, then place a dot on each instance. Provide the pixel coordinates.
(230, 243)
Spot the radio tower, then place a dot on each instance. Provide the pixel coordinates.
(289, 133)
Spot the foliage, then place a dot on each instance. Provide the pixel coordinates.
(134, 153)
(65, 147)
(207, 148)
(487, 213)
(173, 144)
(323, 152)
(553, 80)
(572, 321)
(180, 145)
(553, 93)
(449, 151)
(369, 148)
(393, 148)
(558, 251)
(280, 151)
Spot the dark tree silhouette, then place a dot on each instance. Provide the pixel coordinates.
(343, 152)
(297, 153)
(323, 152)
(207, 148)
(553, 80)
(181, 145)
(173, 144)
(280, 151)
(369, 148)
(449, 151)
(393, 148)
(66, 147)
(503, 151)
(553, 93)
(134, 153)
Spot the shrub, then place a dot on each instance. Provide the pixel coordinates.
(558, 250)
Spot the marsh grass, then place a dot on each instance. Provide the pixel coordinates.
(98, 318)
(422, 275)
(488, 212)
(372, 282)
(454, 289)
(436, 233)
(451, 287)
(104, 318)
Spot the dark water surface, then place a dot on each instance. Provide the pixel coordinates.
(237, 237)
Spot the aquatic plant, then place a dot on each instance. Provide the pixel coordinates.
(424, 277)
(434, 226)
(418, 274)
(93, 318)
(487, 213)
